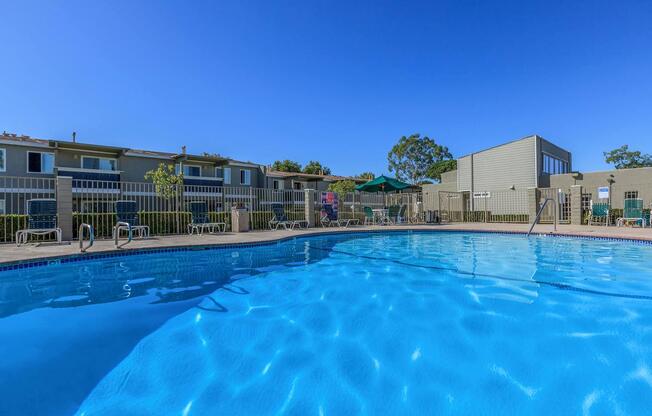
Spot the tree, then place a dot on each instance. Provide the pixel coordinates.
(623, 158)
(342, 187)
(412, 156)
(366, 175)
(286, 166)
(165, 180)
(436, 169)
(315, 168)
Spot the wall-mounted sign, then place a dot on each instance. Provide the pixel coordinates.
(603, 192)
(481, 194)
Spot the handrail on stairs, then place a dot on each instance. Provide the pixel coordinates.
(536, 219)
(91, 236)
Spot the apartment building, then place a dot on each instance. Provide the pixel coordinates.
(106, 167)
(29, 157)
(298, 180)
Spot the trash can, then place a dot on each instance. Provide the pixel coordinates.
(239, 220)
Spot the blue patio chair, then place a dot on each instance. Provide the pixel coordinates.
(329, 218)
(280, 219)
(127, 217)
(599, 213)
(200, 220)
(369, 217)
(41, 220)
(632, 212)
(392, 214)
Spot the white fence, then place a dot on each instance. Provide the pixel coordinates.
(14, 194)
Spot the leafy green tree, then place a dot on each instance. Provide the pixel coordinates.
(165, 180)
(412, 156)
(286, 166)
(366, 175)
(623, 158)
(342, 187)
(436, 169)
(315, 168)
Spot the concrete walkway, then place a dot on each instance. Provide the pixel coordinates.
(9, 253)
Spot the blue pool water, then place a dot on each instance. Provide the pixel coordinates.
(396, 324)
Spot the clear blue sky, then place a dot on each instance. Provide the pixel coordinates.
(335, 81)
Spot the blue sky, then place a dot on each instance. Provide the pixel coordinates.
(335, 81)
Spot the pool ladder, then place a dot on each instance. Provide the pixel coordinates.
(116, 235)
(91, 236)
(536, 220)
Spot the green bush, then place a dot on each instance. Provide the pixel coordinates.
(9, 224)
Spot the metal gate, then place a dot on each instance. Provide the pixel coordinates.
(562, 205)
(452, 206)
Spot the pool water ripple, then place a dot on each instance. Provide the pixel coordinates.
(400, 324)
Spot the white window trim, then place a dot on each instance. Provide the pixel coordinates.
(4, 159)
(180, 165)
(215, 172)
(99, 157)
(247, 174)
(41, 153)
(3, 207)
(224, 170)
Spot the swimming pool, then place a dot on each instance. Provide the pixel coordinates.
(380, 323)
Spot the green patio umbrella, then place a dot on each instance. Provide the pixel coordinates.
(383, 184)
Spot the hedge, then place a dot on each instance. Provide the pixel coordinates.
(161, 223)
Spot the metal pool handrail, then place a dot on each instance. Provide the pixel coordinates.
(117, 233)
(91, 236)
(536, 219)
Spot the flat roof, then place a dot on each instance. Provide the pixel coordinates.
(536, 136)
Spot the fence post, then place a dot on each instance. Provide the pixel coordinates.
(533, 197)
(64, 206)
(309, 207)
(576, 204)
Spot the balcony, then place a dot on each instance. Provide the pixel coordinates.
(79, 174)
(202, 181)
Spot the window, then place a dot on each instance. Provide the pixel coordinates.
(2, 207)
(245, 177)
(227, 175)
(98, 163)
(631, 195)
(38, 162)
(554, 166)
(297, 185)
(586, 201)
(3, 158)
(218, 172)
(190, 170)
(277, 184)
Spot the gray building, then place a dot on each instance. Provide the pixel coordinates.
(518, 165)
(621, 184)
(298, 181)
(104, 167)
(24, 156)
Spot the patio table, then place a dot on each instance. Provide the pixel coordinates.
(381, 215)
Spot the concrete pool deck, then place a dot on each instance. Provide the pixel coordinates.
(9, 253)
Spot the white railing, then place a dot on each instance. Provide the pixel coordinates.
(14, 194)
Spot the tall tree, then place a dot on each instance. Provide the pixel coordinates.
(342, 187)
(286, 166)
(623, 158)
(366, 175)
(315, 168)
(412, 156)
(436, 169)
